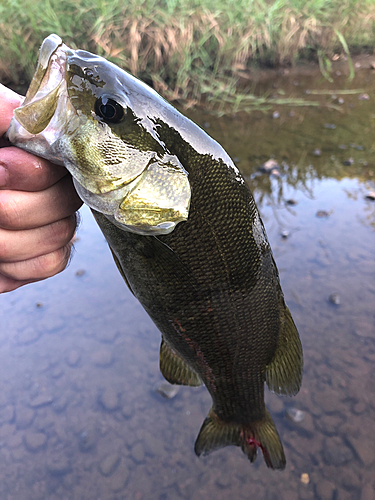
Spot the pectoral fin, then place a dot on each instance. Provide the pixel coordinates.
(175, 370)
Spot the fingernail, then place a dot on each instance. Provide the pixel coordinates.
(4, 174)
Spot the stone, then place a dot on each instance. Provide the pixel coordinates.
(305, 478)
(334, 298)
(28, 336)
(167, 390)
(329, 424)
(87, 441)
(6, 414)
(109, 399)
(24, 417)
(59, 465)
(34, 441)
(109, 464)
(364, 448)
(295, 415)
(367, 492)
(41, 400)
(325, 490)
(336, 452)
(269, 165)
(119, 478)
(137, 453)
(73, 358)
(103, 358)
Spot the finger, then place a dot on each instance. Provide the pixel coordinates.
(10, 284)
(24, 210)
(30, 243)
(9, 100)
(23, 171)
(37, 268)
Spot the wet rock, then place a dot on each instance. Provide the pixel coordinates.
(336, 452)
(322, 214)
(359, 408)
(269, 166)
(295, 415)
(57, 372)
(368, 492)
(334, 298)
(59, 465)
(348, 162)
(167, 390)
(61, 403)
(87, 441)
(14, 441)
(305, 478)
(370, 196)
(24, 417)
(109, 464)
(6, 414)
(329, 424)
(109, 399)
(73, 358)
(284, 234)
(106, 335)
(325, 490)
(317, 152)
(340, 100)
(28, 336)
(363, 97)
(137, 453)
(127, 411)
(103, 358)
(7, 430)
(364, 449)
(365, 329)
(41, 400)
(34, 441)
(330, 126)
(119, 478)
(275, 115)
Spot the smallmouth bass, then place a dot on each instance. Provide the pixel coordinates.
(184, 232)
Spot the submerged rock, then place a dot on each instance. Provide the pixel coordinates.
(269, 166)
(109, 464)
(295, 415)
(335, 299)
(167, 390)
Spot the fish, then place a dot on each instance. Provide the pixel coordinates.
(184, 232)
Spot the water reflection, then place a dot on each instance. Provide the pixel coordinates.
(79, 413)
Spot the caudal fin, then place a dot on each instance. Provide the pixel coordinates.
(215, 434)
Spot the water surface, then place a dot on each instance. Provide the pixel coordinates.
(80, 417)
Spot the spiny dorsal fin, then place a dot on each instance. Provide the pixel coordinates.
(175, 370)
(284, 373)
(215, 433)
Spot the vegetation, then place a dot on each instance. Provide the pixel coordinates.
(188, 48)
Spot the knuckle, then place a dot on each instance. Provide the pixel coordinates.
(10, 214)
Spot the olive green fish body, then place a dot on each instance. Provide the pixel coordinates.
(184, 231)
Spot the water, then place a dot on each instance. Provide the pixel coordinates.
(80, 416)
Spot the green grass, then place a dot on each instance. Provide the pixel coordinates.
(188, 48)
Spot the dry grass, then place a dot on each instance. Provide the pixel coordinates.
(183, 47)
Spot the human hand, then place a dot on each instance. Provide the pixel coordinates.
(37, 210)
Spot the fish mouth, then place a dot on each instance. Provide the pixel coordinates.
(42, 97)
(141, 190)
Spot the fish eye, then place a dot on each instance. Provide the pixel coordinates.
(109, 110)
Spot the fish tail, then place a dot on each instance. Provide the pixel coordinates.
(215, 433)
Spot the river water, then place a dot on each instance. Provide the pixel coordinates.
(81, 414)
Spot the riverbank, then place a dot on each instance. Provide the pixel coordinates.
(188, 49)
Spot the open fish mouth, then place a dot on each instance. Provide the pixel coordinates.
(120, 167)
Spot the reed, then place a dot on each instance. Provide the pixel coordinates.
(187, 49)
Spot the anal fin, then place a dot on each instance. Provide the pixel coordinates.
(175, 370)
(284, 373)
